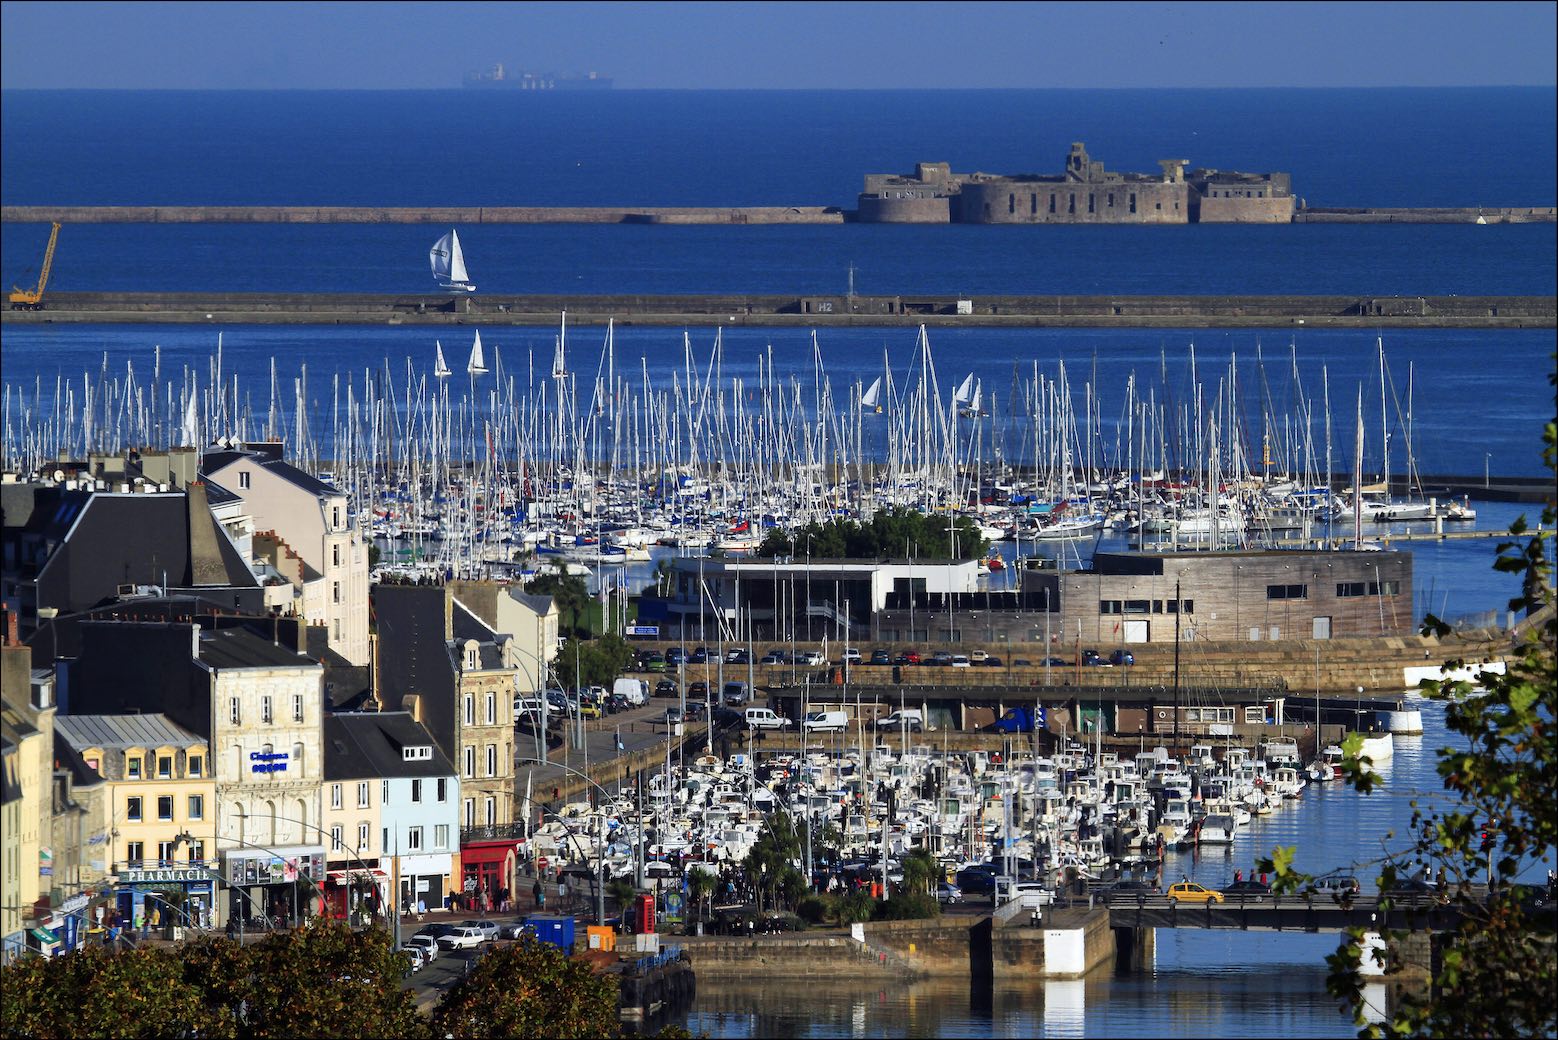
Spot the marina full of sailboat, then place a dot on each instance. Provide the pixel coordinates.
(462, 470)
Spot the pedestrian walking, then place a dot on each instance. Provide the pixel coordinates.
(539, 894)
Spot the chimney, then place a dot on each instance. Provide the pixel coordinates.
(12, 638)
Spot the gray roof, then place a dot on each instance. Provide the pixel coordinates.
(215, 461)
(535, 601)
(366, 745)
(124, 731)
(236, 648)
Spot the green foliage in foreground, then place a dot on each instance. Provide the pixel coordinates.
(890, 533)
(1496, 975)
(323, 981)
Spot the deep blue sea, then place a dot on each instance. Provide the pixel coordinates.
(1477, 398)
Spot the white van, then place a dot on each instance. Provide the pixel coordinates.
(634, 691)
(826, 722)
(764, 718)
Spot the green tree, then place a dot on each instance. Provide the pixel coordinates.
(701, 885)
(921, 872)
(570, 592)
(327, 980)
(96, 992)
(771, 861)
(529, 989)
(621, 892)
(592, 662)
(893, 532)
(1496, 974)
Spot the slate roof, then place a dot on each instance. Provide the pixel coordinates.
(214, 462)
(236, 648)
(124, 731)
(368, 745)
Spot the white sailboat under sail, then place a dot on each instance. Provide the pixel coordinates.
(449, 263)
(477, 366)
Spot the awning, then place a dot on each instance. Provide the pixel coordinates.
(346, 877)
(43, 935)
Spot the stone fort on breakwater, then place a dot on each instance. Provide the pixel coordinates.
(1085, 193)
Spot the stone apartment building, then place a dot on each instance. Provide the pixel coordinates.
(305, 533)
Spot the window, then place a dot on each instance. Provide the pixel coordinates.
(165, 807)
(1111, 200)
(197, 807)
(1109, 606)
(335, 838)
(470, 812)
(414, 839)
(135, 852)
(1384, 588)
(1255, 713)
(335, 517)
(384, 791)
(416, 790)
(243, 480)
(335, 796)
(443, 789)
(335, 556)
(470, 760)
(492, 811)
(1287, 591)
(469, 709)
(1137, 606)
(132, 811)
(297, 759)
(265, 713)
(197, 852)
(362, 794)
(492, 760)
(1090, 198)
(1133, 202)
(297, 707)
(164, 853)
(335, 592)
(164, 767)
(384, 839)
(337, 628)
(133, 767)
(441, 836)
(1033, 203)
(234, 711)
(197, 766)
(1011, 203)
(1052, 202)
(1071, 206)
(1350, 588)
(491, 715)
(362, 837)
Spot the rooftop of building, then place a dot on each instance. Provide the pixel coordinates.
(124, 731)
(367, 745)
(238, 648)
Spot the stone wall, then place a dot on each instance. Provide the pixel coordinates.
(1055, 202)
(911, 209)
(1222, 210)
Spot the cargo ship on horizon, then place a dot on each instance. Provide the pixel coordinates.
(498, 78)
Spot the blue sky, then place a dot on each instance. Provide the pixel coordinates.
(799, 45)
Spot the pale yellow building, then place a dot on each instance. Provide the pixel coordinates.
(162, 812)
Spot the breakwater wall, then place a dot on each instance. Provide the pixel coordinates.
(805, 311)
(1429, 215)
(456, 215)
(721, 215)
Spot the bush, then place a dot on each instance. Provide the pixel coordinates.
(908, 907)
(816, 908)
(857, 906)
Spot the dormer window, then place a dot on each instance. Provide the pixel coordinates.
(416, 753)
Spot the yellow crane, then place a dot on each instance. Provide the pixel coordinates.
(32, 299)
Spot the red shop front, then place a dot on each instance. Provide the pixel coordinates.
(486, 868)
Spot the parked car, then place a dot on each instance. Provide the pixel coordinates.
(947, 892)
(667, 688)
(428, 944)
(416, 954)
(1130, 887)
(940, 658)
(1248, 887)
(673, 715)
(634, 691)
(812, 658)
(676, 657)
(1020, 719)
(1122, 657)
(460, 937)
(1031, 893)
(736, 694)
(774, 657)
(825, 722)
(654, 661)
(765, 718)
(851, 655)
(698, 691)
(1056, 662)
(1337, 884)
(699, 655)
(488, 929)
(978, 880)
(912, 717)
(695, 710)
(907, 657)
(1090, 657)
(881, 657)
(512, 929)
(738, 656)
(991, 661)
(1190, 892)
(959, 661)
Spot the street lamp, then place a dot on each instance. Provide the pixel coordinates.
(600, 855)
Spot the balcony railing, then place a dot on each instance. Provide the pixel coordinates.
(152, 863)
(495, 832)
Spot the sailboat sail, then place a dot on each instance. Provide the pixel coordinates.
(964, 391)
(440, 366)
(448, 263)
(478, 362)
(872, 398)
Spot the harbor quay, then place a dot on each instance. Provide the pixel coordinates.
(1123, 311)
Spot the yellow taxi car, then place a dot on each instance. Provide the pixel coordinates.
(1190, 892)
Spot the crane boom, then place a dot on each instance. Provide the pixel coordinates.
(32, 299)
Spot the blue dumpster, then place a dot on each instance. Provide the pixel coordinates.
(553, 930)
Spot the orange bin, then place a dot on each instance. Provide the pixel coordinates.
(601, 937)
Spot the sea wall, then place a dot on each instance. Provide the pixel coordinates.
(454, 215)
(810, 311)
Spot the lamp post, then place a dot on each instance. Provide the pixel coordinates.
(1487, 458)
(600, 855)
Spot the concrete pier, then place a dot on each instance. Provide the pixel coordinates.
(1478, 312)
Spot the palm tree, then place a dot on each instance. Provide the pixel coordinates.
(921, 871)
(700, 885)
